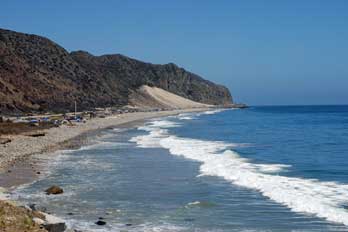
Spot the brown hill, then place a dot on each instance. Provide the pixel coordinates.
(37, 74)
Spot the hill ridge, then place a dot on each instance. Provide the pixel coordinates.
(39, 75)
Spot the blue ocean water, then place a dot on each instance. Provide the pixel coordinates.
(279, 168)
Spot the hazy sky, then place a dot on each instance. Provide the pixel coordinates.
(266, 52)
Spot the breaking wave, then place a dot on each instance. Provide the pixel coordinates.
(310, 196)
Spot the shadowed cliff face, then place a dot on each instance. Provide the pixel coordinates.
(38, 75)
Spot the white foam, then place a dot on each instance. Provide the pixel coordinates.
(213, 111)
(323, 199)
(157, 132)
(110, 226)
(194, 203)
(163, 124)
(3, 194)
(187, 116)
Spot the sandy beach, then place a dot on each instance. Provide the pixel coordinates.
(21, 147)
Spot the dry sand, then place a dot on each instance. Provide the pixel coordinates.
(153, 97)
(23, 146)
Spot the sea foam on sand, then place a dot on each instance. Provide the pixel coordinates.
(3, 195)
(323, 199)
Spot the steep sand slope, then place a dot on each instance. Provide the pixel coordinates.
(147, 97)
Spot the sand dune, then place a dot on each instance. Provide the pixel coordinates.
(152, 97)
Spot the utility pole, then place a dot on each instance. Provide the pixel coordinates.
(75, 109)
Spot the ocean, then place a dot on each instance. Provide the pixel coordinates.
(272, 168)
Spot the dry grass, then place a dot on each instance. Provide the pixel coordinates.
(9, 128)
(17, 219)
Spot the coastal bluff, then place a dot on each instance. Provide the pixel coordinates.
(38, 75)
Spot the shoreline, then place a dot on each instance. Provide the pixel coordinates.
(18, 165)
(24, 168)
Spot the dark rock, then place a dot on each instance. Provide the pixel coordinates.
(36, 134)
(5, 140)
(70, 213)
(129, 224)
(35, 207)
(57, 227)
(100, 223)
(54, 190)
(32, 207)
(101, 218)
(42, 209)
(38, 173)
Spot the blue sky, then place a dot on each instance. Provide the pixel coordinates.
(265, 52)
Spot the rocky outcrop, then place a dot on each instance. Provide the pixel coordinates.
(37, 74)
(15, 218)
(53, 224)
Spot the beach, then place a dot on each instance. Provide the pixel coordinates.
(55, 138)
(17, 166)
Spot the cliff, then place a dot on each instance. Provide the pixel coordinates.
(37, 74)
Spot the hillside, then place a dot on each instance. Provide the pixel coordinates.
(38, 75)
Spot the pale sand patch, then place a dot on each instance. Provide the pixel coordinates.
(3, 195)
(153, 97)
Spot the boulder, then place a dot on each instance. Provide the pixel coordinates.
(54, 190)
(38, 221)
(54, 224)
(57, 227)
(100, 223)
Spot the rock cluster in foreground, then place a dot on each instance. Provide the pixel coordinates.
(17, 218)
